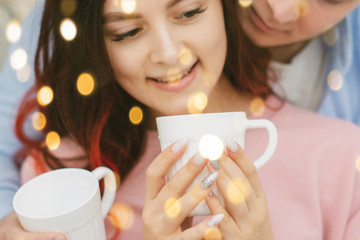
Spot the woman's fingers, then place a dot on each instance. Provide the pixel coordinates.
(155, 174)
(207, 229)
(178, 184)
(10, 228)
(241, 159)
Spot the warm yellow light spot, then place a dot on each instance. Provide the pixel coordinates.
(38, 121)
(257, 106)
(45, 96)
(128, 6)
(13, 31)
(52, 140)
(213, 234)
(121, 216)
(172, 207)
(245, 3)
(197, 103)
(237, 190)
(18, 59)
(136, 115)
(301, 8)
(335, 80)
(185, 56)
(173, 75)
(68, 29)
(23, 74)
(85, 84)
(211, 147)
(68, 7)
(358, 164)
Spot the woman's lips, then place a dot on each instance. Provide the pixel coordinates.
(178, 82)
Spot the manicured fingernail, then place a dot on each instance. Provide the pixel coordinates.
(215, 164)
(232, 145)
(179, 144)
(211, 193)
(215, 220)
(209, 180)
(198, 159)
(59, 238)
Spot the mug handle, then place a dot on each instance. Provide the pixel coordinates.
(109, 188)
(273, 138)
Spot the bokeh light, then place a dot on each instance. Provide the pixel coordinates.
(245, 3)
(121, 216)
(358, 164)
(38, 121)
(45, 96)
(301, 8)
(68, 29)
(237, 191)
(335, 80)
(257, 106)
(185, 56)
(136, 115)
(197, 103)
(23, 74)
(52, 140)
(18, 59)
(128, 6)
(172, 207)
(213, 233)
(173, 74)
(68, 7)
(13, 31)
(85, 84)
(211, 147)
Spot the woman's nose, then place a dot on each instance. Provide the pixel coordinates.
(284, 11)
(165, 48)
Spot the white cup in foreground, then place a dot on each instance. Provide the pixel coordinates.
(67, 201)
(200, 127)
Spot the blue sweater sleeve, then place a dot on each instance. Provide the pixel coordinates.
(11, 92)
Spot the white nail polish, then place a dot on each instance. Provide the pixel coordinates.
(209, 180)
(198, 159)
(215, 220)
(232, 145)
(179, 144)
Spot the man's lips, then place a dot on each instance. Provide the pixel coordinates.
(173, 78)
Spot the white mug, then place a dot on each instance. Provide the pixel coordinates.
(197, 127)
(67, 201)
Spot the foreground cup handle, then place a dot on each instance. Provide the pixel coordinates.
(271, 129)
(109, 188)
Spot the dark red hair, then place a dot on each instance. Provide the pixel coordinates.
(100, 122)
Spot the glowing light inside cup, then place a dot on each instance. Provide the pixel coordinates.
(45, 96)
(121, 216)
(245, 3)
(52, 140)
(38, 121)
(172, 207)
(13, 31)
(68, 29)
(211, 147)
(136, 115)
(18, 59)
(85, 84)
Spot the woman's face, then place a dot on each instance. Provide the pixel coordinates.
(273, 23)
(165, 51)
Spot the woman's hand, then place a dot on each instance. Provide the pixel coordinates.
(10, 228)
(246, 212)
(167, 205)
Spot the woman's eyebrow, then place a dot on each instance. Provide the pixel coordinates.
(119, 16)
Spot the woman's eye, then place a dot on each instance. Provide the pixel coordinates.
(192, 13)
(127, 35)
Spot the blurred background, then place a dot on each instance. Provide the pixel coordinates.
(12, 14)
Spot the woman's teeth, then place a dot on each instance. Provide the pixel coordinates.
(175, 78)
